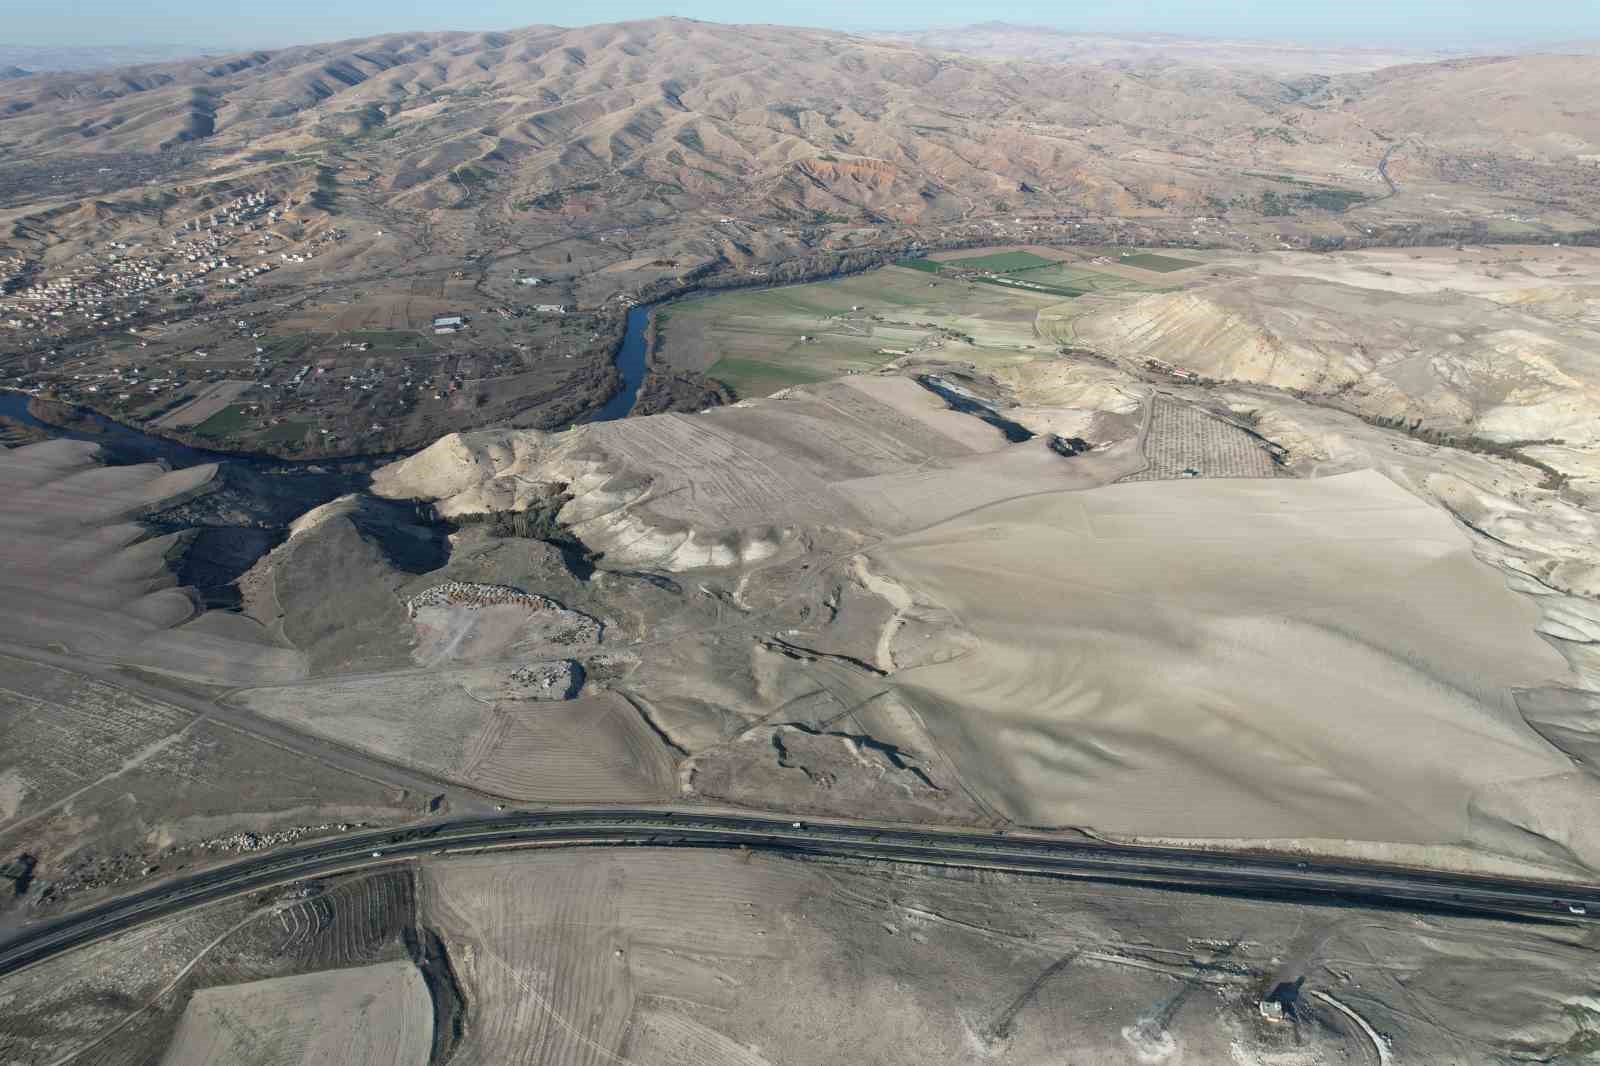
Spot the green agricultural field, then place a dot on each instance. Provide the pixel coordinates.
(1003, 262)
(286, 432)
(290, 345)
(1082, 280)
(927, 266)
(389, 339)
(1027, 284)
(1163, 264)
(226, 422)
(751, 339)
(753, 377)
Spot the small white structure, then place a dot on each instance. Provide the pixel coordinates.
(453, 321)
(551, 309)
(530, 280)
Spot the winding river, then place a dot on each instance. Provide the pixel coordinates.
(630, 363)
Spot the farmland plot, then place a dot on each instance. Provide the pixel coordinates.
(1083, 279)
(672, 957)
(558, 949)
(1161, 264)
(1003, 262)
(64, 732)
(753, 342)
(1184, 441)
(376, 1015)
(122, 1002)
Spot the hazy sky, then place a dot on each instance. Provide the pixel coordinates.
(271, 22)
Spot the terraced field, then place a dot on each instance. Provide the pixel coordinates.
(219, 985)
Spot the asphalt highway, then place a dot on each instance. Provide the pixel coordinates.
(1251, 875)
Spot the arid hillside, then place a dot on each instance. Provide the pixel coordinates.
(637, 124)
(1005, 40)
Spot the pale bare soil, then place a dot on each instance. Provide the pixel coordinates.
(1051, 651)
(1002, 40)
(377, 1015)
(1307, 658)
(662, 957)
(462, 725)
(84, 577)
(1492, 342)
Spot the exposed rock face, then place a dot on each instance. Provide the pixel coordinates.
(467, 621)
(625, 491)
(801, 768)
(471, 594)
(546, 681)
(1446, 358)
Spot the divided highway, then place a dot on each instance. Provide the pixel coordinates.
(1257, 876)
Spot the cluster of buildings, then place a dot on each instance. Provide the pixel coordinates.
(13, 270)
(108, 292)
(113, 284)
(238, 213)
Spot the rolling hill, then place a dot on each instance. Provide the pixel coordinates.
(671, 121)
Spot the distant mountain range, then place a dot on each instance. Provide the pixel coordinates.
(668, 121)
(18, 60)
(1004, 40)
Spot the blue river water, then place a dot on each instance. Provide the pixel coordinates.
(630, 363)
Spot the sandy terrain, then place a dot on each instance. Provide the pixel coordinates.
(83, 575)
(1337, 663)
(1298, 629)
(464, 725)
(1331, 661)
(720, 489)
(375, 1016)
